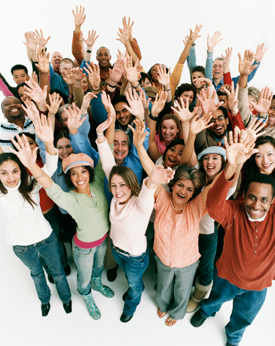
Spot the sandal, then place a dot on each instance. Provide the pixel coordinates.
(160, 313)
(170, 322)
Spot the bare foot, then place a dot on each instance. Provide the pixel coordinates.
(170, 322)
(160, 313)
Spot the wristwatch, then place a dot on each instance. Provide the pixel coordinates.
(152, 117)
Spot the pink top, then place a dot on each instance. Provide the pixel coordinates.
(4, 89)
(161, 145)
(176, 235)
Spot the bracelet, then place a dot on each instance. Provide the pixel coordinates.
(88, 51)
(111, 86)
(39, 176)
(136, 86)
(96, 89)
(100, 135)
(152, 117)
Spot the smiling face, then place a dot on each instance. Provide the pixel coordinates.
(84, 84)
(154, 72)
(187, 95)
(169, 130)
(123, 116)
(173, 156)
(258, 199)
(196, 75)
(212, 164)
(103, 57)
(120, 190)
(271, 114)
(217, 69)
(10, 173)
(182, 192)
(80, 178)
(20, 76)
(265, 158)
(121, 147)
(220, 124)
(12, 109)
(56, 60)
(64, 148)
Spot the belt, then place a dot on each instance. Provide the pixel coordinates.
(125, 253)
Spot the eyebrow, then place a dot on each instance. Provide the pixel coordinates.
(121, 141)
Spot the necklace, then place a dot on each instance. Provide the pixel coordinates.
(174, 207)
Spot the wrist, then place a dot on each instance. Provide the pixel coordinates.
(257, 61)
(235, 112)
(73, 131)
(84, 110)
(77, 83)
(77, 28)
(167, 87)
(112, 83)
(135, 84)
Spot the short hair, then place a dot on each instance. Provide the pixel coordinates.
(108, 50)
(185, 87)
(186, 172)
(128, 139)
(119, 99)
(261, 179)
(61, 110)
(19, 67)
(67, 61)
(68, 180)
(218, 58)
(254, 92)
(2, 103)
(225, 113)
(198, 69)
(173, 117)
(128, 176)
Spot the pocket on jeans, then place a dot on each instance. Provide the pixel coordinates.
(51, 238)
(19, 249)
(81, 251)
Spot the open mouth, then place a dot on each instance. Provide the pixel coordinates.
(180, 196)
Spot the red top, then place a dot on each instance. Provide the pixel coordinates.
(248, 258)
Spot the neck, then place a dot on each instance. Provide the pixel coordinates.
(19, 121)
(177, 207)
(87, 191)
(217, 80)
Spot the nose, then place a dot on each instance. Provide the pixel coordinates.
(257, 204)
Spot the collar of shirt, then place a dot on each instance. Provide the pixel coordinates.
(253, 220)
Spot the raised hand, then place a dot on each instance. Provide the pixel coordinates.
(103, 126)
(108, 104)
(74, 118)
(43, 61)
(227, 59)
(163, 77)
(182, 110)
(91, 38)
(213, 41)
(159, 103)
(116, 72)
(39, 38)
(43, 129)
(264, 101)
(138, 133)
(77, 73)
(207, 101)
(135, 103)
(123, 36)
(195, 34)
(35, 92)
(30, 41)
(199, 82)
(198, 124)
(79, 16)
(86, 102)
(232, 97)
(25, 154)
(144, 101)
(260, 52)
(55, 101)
(253, 131)
(127, 27)
(69, 77)
(31, 111)
(131, 72)
(238, 149)
(94, 75)
(161, 175)
(245, 64)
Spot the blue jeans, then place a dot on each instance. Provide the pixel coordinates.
(90, 264)
(133, 267)
(207, 248)
(246, 305)
(48, 250)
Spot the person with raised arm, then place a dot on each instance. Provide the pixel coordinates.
(129, 203)
(27, 230)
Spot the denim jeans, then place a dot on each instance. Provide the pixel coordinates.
(207, 248)
(246, 305)
(133, 267)
(30, 256)
(90, 264)
(52, 217)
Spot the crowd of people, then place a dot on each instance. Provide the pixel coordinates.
(121, 164)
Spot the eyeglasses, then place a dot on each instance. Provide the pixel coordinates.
(219, 118)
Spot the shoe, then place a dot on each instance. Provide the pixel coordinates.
(112, 274)
(197, 320)
(91, 306)
(45, 308)
(125, 318)
(198, 295)
(96, 285)
(68, 307)
(67, 270)
(50, 278)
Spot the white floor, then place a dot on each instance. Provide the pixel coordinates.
(21, 323)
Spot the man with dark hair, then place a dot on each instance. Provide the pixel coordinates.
(247, 265)
(20, 75)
